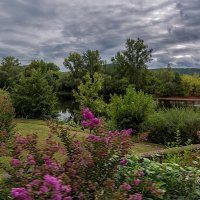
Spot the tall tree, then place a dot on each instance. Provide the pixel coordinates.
(33, 97)
(74, 63)
(9, 71)
(92, 61)
(132, 62)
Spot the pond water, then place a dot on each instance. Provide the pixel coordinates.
(66, 109)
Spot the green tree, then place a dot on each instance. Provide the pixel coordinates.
(9, 71)
(132, 62)
(74, 63)
(49, 70)
(88, 94)
(92, 61)
(33, 97)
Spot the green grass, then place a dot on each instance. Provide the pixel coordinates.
(27, 126)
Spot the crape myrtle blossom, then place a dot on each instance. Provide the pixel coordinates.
(90, 121)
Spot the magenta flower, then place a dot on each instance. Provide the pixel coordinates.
(96, 122)
(136, 196)
(94, 138)
(20, 193)
(126, 187)
(53, 181)
(57, 197)
(123, 162)
(87, 114)
(15, 162)
(139, 173)
(30, 160)
(44, 189)
(67, 188)
(89, 120)
(85, 124)
(136, 182)
(68, 198)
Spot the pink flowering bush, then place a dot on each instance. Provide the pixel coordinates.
(70, 169)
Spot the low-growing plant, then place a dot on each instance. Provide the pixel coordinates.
(163, 124)
(175, 155)
(154, 180)
(130, 110)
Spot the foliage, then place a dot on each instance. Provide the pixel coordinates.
(49, 70)
(9, 71)
(90, 61)
(163, 82)
(88, 94)
(131, 63)
(167, 180)
(131, 109)
(33, 97)
(7, 114)
(162, 125)
(74, 64)
(191, 85)
(85, 171)
(174, 155)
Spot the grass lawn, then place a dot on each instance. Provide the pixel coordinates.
(26, 126)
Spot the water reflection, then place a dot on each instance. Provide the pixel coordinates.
(66, 109)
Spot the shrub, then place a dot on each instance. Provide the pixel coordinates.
(7, 115)
(33, 97)
(131, 109)
(86, 170)
(153, 180)
(7, 112)
(162, 125)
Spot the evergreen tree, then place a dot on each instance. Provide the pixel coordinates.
(33, 97)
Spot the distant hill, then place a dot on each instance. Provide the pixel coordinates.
(185, 70)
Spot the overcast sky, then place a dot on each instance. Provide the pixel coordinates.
(50, 29)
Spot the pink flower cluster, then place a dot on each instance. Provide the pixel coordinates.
(49, 185)
(90, 121)
(20, 193)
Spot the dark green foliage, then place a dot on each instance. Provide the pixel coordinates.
(163, 82)
(9, 71)
(33, 97)
(49, 70)
(130, 110)
(132, 62)
(90, 61)
(7, 113)
(162, 125)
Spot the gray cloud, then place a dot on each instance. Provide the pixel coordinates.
(50, 29)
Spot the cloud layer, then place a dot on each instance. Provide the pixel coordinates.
(50, 29)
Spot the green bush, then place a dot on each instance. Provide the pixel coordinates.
(33, 97)
(7, 112)
(130, 110)
(162, 125)
(174, 181)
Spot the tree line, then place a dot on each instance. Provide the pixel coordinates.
(127, 67)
